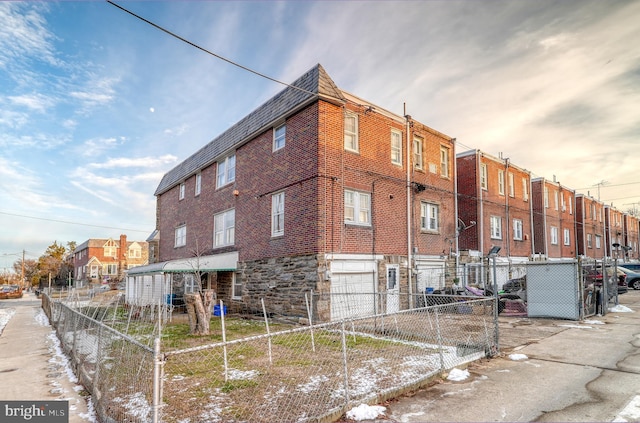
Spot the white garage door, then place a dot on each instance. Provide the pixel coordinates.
(352, 295)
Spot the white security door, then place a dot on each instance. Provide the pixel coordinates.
(393, 297)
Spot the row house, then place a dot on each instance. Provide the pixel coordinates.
(631, 234)
(494, 208)
(590, 227)
(554, 220)
(315, 190)
(107, 260)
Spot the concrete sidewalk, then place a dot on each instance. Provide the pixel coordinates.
(548, 370)
(32, 367)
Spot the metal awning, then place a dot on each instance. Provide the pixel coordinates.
(217, 262)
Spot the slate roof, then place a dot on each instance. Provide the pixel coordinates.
(316, 84)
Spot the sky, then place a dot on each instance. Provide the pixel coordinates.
(96, 105)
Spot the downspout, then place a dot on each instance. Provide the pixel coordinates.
(544, 217)
(533, 236)
(409, 254)
(481, 202)
(506, 211)
(455, 201)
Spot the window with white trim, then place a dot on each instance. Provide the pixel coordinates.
(279, 135)
(500, 181)
(396, 147)
(567, 237)
(589, 241)
(224, 228)
(226, 171)
(598, 241)
(517, 229)
(135, 252)
(570, 205)
(429, 215)
(181, 195)
(554, 235)
(180, 236)
(444, 161)
(417, 153)
(546, 197)
(357, 207)
(512, 188)
(351, 132)
(483, 176)
(277, 214)
(236, 287)
(525, 189)
(555, 199)
(198, 183)
(110, 269)
(496, 227)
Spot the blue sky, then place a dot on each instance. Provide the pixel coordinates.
(96, 105)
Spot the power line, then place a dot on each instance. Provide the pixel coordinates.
(73, 223)
(184, 40)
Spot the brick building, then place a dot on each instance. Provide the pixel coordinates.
(494, 193)
(316, 189)
(631, 231)
(107, 260)
(590, 227)
(554, 220)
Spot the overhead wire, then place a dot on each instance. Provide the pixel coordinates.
(73, 223)
(184, 40)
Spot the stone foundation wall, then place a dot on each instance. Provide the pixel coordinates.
(282, 282)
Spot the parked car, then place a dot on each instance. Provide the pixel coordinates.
(593, 276)
(633, 277)
(10, 292)
(634, 267)
(517, 286)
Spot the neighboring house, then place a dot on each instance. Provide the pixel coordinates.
(631, 237)
(315, 190)
(554, 220)
(102, 260)
(494, 210)
(613, 231)
(590, 227)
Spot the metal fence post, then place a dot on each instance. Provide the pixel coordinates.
(157, 380)
(344, 365)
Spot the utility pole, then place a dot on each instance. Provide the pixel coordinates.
(22, 275)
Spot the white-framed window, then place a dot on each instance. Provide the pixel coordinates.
(279, 135)
(224, 228)
(110, 251)
(417, 153)
(512, 187)
(566, 235)
(357, 207)
(483, 176)
(496, 227)
(236, 287)
(555, 199)
(190, 283)
(525, 189)
(517, 229)
(500, 181)
(135, 252)
(598, 241)
(396, 147)
(351, 132)
(198, 183)
(181, 192)
(589, 241)
(546, 197)
(277, 214)
(429, 215)
(554, 235)
(110, 269)
(393, 271)
(226, 171)
(444, 161)
(181, 236)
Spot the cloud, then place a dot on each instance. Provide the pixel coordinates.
(126, 162)
(37, 102)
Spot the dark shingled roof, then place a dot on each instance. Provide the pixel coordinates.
(290, 99)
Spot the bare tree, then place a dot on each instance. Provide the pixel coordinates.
(199, 303)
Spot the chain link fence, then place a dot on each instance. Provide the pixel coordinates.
(263, 370)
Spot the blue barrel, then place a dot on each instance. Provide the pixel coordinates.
(430, 290)
(216, 310)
